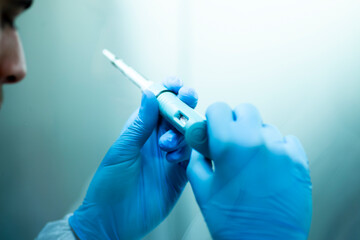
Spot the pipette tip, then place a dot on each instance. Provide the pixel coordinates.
(109, 55)
(130, 73)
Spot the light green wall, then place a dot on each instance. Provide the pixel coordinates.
(297, 61)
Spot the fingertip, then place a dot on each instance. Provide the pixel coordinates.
(149, 108)
(148, 97)
(296, 150)
(173, 156)
(179, 155)
(189, 92)
(188, 96)
(173, 83)
(169, 141)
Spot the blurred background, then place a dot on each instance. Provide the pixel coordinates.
(297, 61)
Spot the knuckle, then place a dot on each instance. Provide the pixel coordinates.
(293, 140)
(247, 108)
(248, 112)
(270, 127)
(294, 145)
(277, 149)
(258, 144)
(215, 107)
(271, 134)
(290, 150)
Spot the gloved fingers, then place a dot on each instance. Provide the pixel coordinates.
(128, 145)
(200, 173)
(173, 84)
(295, 150)
(179, 155)
(247, 115)
(171, 141)
(188, 96)
(220, 122)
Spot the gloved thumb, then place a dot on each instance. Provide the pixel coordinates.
(134, 136)
(144, 123)
(200, 174)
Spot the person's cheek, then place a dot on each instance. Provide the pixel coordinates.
(1, 91)
(1, 95)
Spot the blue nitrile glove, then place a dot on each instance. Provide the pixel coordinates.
(260, 187)
(135, 187)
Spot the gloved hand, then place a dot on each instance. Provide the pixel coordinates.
(141, 177)
(260, 188)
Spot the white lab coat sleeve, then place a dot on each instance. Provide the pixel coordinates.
(59, 230)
